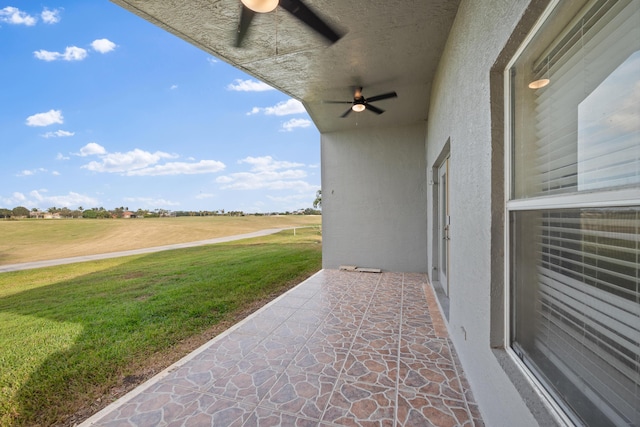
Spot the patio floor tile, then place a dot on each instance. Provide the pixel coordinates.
(341, 349)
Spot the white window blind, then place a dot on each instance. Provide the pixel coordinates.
(589, 312)
(575, 272)
(587, 120)
(582, 334)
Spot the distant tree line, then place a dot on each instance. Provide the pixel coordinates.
(124, 212)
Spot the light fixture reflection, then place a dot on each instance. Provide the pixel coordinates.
(358, 107)
(537, 84)
(261, 6)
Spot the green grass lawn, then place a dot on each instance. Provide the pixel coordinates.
(70, 334)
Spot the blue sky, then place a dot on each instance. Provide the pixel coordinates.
(101, 108)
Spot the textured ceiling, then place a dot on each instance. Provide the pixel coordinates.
(389, 45)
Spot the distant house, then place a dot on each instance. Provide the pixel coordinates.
(128, 214)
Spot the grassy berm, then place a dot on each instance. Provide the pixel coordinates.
(75, 337)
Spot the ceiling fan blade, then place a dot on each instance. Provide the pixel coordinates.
(372, 108)
(337, 102)
(383, 96)
(246, 16)
(346, 113)
(298, 9)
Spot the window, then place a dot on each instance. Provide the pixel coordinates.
(574, 208)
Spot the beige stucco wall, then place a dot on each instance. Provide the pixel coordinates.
(374, 198)
(466, 110)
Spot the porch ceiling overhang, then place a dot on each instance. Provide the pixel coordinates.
(389, 45)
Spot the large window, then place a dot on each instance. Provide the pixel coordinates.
(574, 208)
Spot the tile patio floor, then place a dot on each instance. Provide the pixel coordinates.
(342, 348)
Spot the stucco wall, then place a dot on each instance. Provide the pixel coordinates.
(465, 109)
(374, 198)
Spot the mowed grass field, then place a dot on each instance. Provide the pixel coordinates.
(75, 337)
(38, 240)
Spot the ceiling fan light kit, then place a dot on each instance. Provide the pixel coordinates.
(303, 13)
(261, 6)
(297, 8)
(360, 103)
(358, 108)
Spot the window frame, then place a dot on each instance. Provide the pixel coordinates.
(599, 198)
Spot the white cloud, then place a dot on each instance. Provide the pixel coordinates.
(610, 112)
(211, 60)
(267, 163)
(50, 16)
(103, 45)
(128, 162)
(295, 123)
(239, 85)
(70, 200)
(626, 118)
(173, 87)
(266, 173)
(13, 15)
(224, 179)
(61, 156)
(201, 196)
(138, 162)
(180, 168)
(150, 202)
(39, 199)
(30, 172)
(57, 134)
(45, 55)
(55, 173)
(71, 53)
(45, 119)
(304, 198)
(247, 181)
(15, 199)
(74, 53)
(19, 196)
(284, 108)
(92, 149)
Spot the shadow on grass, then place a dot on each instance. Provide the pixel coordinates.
(138, 309)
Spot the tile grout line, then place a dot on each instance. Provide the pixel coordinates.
(395, 412)
(259, 341)
(162, 375)
(259, 404)
(361, 282)
(441, 332)
(349, 350)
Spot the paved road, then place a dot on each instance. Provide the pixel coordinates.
(60, 261)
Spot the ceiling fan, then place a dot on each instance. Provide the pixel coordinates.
(360, 103)
(295, 7)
